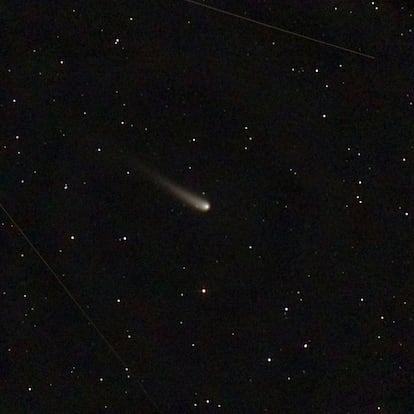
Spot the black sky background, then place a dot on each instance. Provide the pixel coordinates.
(286, 229)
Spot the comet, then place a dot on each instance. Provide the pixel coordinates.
(189, 198)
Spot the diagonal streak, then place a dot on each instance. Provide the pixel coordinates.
(269, 26)
(78, 305)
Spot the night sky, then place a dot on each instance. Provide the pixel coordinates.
(292, 293)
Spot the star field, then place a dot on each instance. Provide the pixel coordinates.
(288, 288)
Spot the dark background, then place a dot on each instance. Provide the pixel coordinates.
(305, 255)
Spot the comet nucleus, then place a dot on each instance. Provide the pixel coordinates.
(192, 200)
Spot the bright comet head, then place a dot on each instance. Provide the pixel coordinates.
(204, 206)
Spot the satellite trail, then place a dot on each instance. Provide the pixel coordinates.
(269, 26)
